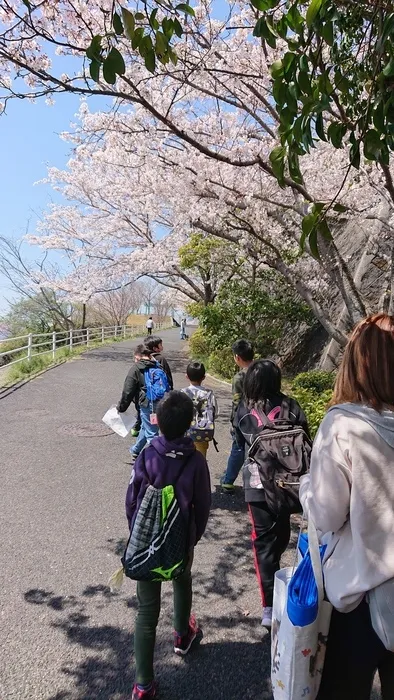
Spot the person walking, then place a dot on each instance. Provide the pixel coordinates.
(144, 375)
(243, 352)
(183, 329)
(155, 345)
(170, 459)
(349, 494)
(150, 325)
(202, 430)
(270, 530)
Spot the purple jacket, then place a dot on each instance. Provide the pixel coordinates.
(159, 465)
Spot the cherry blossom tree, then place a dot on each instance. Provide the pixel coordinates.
(191, 148)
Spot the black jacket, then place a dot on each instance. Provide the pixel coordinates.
(160, 358)
(134, 390)
(249, 425)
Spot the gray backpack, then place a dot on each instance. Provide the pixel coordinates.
(280, 451)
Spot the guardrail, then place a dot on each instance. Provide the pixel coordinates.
(49, 343)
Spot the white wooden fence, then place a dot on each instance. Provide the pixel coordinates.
(36, 344)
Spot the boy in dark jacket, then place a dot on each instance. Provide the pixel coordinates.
(134, 391)
(159, 465)
(155, 345)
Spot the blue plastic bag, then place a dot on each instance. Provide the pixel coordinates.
(302, 600)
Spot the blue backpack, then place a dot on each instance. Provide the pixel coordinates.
(156, 382)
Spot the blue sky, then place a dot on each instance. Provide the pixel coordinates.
(29, 142)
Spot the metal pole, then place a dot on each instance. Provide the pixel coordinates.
(29, 346)
(71, 340)
(53, 344)
(87, 336)
(124, 331)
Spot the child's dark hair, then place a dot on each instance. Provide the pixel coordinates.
(141, 349)
(195, 371)
(175, 414)
(262, 381)
(152, 342)
(244, 349)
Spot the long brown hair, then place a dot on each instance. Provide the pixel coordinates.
(366, 374)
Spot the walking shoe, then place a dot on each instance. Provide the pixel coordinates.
(267, 618)
(134, 432)
(182, 644)
(144, 692)
(228, 488)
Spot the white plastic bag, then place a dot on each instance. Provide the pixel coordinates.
(297, 653)
(120, 423)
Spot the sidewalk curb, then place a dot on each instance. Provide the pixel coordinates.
(219, 381)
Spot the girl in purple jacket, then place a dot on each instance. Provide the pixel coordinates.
(159, 465)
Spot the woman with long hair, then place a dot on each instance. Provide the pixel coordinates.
(270, 530)
(349, 494)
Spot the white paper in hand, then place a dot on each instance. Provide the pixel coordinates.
(120, 423)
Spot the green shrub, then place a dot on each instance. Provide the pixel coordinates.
(221, 362)
(314, 404)
(199, 345)
(315, 380)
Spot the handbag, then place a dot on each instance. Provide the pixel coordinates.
(381, 607)
(298, 650)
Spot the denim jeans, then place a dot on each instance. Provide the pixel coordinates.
(147, 432)
(235, 463)
(149, 600)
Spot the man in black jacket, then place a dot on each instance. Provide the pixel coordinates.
(134, 391)
(155, 345)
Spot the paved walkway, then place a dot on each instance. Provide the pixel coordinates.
(62, 524)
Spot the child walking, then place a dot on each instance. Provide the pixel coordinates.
(170, 459)
(205, 407)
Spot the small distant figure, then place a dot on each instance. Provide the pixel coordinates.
(170, 459)
(183, 329)
(202, 429)
(150, 325)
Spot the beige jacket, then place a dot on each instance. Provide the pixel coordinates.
(349, 494)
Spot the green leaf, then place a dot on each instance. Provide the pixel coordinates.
(263, 5)
(312, 12)
(388, 70)
(94, 70)
(295, 19)
(27, 4)
(117, 24)
(319, 126)
(378, 117)
(277, 160)
(94, 50)
(109, 71)
(173, 57)
(324, 229)
(313, 244)
(308, 222)
(335, 133)
(168, 26)
(304, 64)
(266, 31)
(355, 155)
(186, 9)
(129, 22)
(140, 16)
(340, 208)
(277, 69)
(304, 83)
(150, 61)
(153, 21)
(161, 44)
(372, 144)
(137, 38)
(327, 32)
(117, 61)
(289, 63)
(177, 28)
(294, 167)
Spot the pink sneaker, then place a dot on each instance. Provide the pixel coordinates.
(144, 694)
(182, 644)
